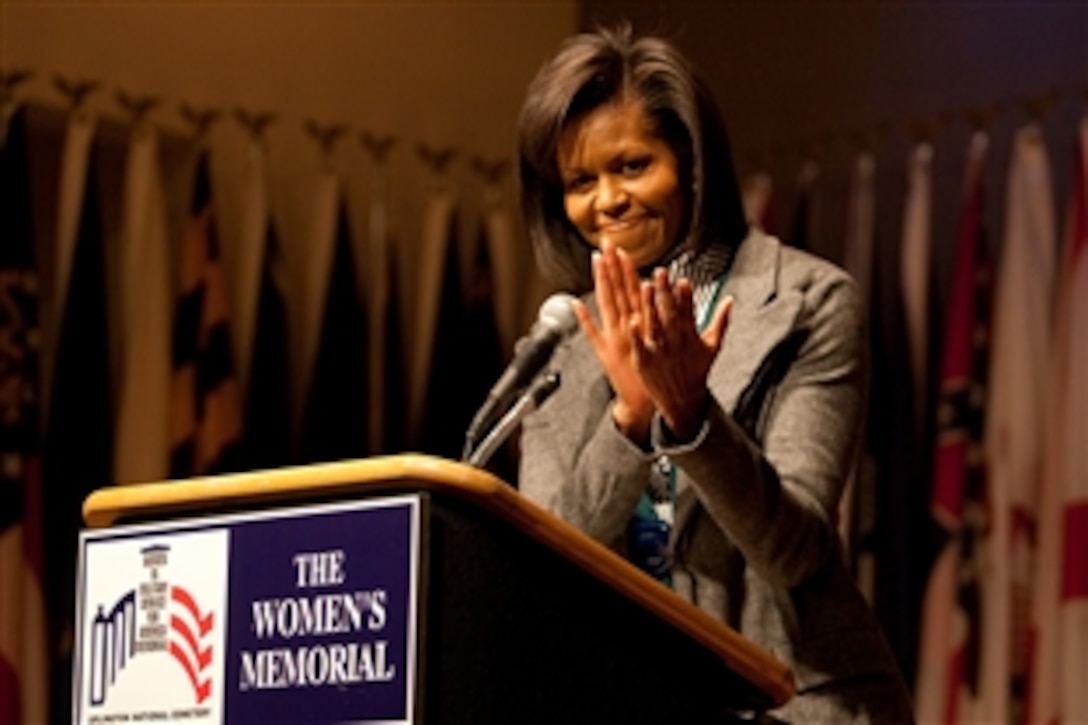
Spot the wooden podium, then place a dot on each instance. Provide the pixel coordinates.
(404, 588)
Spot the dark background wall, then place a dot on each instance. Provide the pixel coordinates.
(796, 77)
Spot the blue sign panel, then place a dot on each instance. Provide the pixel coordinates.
(303, 615)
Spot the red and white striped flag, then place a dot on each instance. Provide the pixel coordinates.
(947, 681)
(1073, 613)
(1015, 417)
(1059, 615)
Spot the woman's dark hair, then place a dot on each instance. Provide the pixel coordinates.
(592, 70)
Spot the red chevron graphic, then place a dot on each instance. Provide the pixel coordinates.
(182, 597)
(200, 688)
(204, 657)
(192, 658)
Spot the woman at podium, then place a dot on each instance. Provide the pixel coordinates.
(711, 405)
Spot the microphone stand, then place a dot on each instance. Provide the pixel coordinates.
(537, 393)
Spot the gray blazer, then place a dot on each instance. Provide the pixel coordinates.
(755, 541)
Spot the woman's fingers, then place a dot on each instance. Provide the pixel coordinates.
(614, 264)
(606, 303)
(586, 322)
(630, 280)
(641, 348)
(611, 279)
(715, 331)
(651, 334)
(663, 299)
(683, 301)
(653, 316)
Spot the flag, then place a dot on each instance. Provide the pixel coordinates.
(433, 295)
(504, 265)
(803, 225)
(1014, 419)
(142, 440)
(1059, 614)
(758, 197)
(261, 329)
(890, 461)
(507, 270)
(858, 508)
(482, 332)
(394, 402)
(388, 389)
(443, 420)
(463, 347)
(951, 636)
(861, 205)
(78, 440)
(900, 418)
(336, 412)
(206, 410)
(1073, 615)
(466, 354)
(915, 273)
(911, 542)
(23, 649)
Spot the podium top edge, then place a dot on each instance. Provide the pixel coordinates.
(110, 505)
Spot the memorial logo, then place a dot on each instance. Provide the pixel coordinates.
(154, 644)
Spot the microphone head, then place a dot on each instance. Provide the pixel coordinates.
(557, 314)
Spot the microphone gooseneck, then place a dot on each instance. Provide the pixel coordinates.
(555, 320)
(537, 393)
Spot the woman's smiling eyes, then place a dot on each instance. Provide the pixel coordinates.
(634, 167)
(578, 183)
(628, 168)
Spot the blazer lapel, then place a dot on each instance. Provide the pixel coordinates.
(764, 313)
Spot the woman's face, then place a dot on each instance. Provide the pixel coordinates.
(621, 182)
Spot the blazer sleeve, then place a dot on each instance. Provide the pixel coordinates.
(777, 497)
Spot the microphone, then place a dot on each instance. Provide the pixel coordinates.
(537, 393)
(555, 320)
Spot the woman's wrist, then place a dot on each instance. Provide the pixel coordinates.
(632, 423)
(685, 418)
